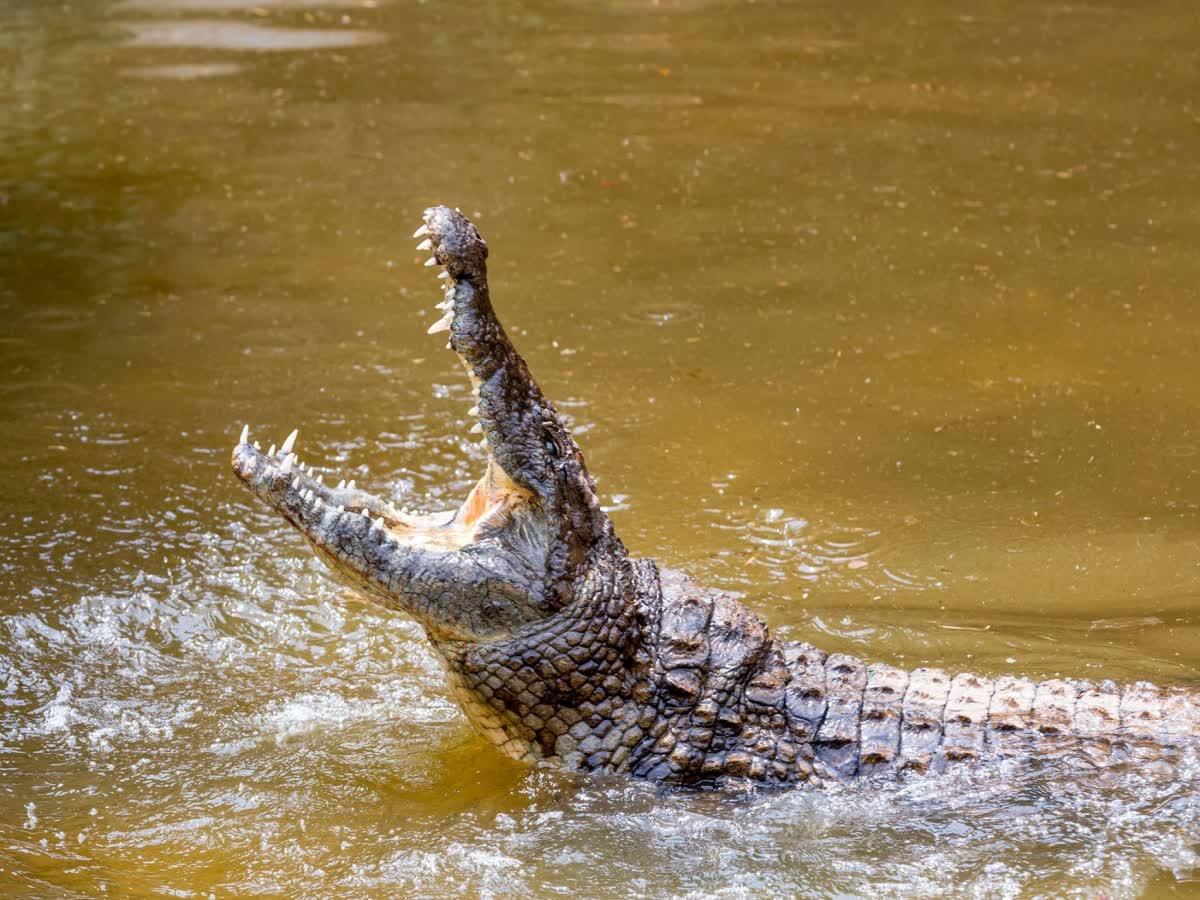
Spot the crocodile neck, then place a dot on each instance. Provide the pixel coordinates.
(646, 674)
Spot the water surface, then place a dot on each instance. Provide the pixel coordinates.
(885, 319)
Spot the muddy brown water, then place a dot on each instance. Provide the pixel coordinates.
(884, 317)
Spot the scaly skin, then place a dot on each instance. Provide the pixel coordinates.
(558, 645)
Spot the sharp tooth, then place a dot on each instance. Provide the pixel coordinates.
(271, 452)
(341, 484)
(350, 485)
(421, 232)
(318, 503)
(426, 244)
(379, 523)
(442, 324)
(432, 261)
(341, 508)
(476, 428)
(443, 274)
(445, 304)
(257, 445)
(245, 434)
(473, 411)
(321, 478)
(290, 441)
(287, 464)
(365, 514)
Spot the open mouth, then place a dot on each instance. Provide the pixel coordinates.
(327, 514)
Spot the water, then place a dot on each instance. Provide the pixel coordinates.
(883, 318)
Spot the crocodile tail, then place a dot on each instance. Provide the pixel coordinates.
(876, 719)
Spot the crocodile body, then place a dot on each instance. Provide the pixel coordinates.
(559, 645)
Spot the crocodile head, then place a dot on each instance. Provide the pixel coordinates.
(527, 532)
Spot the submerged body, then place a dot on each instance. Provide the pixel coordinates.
(559, 645)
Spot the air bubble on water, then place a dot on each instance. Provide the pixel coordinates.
(56, 716)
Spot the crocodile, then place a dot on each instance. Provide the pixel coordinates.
(559, 645)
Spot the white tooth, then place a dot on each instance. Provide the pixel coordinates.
(245, 434)
(449, 346)
(442, 324)
(365, 514)
(379, 523)
(421, 232)
(473, 411)
(445, 304)
(341, 484)
(290, 441)
(476, 428)
(319, 503)
(432, 261)
(257, 445)
(484, 443)
(287, 464)
(271, 452)
(426, 244)
(350, 485)
(321, 478)
(443, 274)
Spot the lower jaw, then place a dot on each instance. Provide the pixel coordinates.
(314, 507)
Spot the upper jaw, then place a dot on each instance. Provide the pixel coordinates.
(522, 430)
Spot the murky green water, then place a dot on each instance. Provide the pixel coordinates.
(885, 318)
